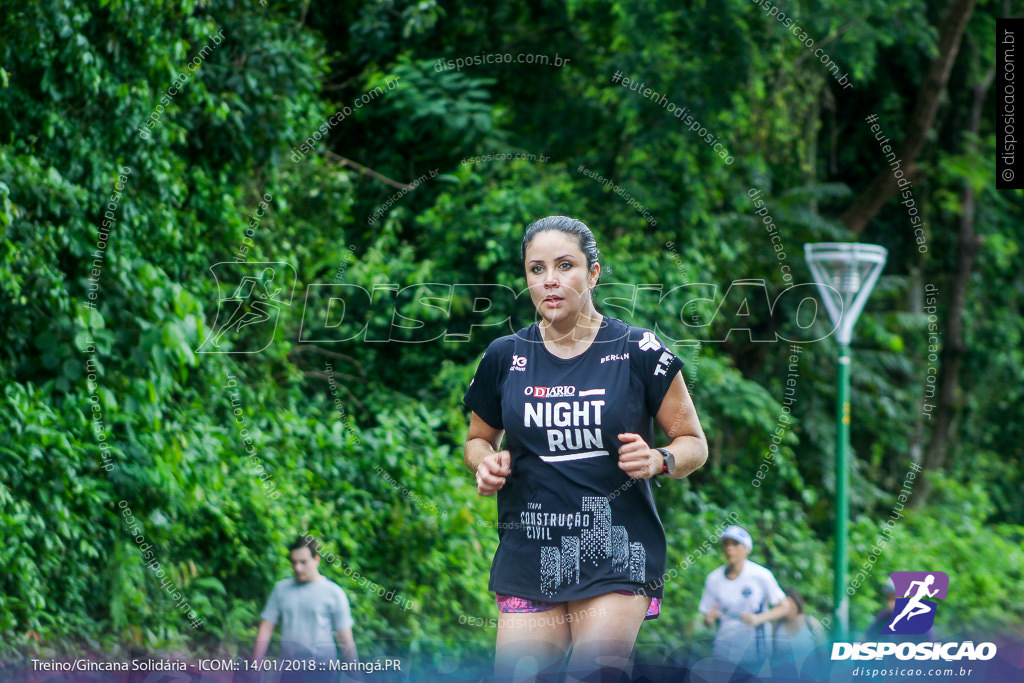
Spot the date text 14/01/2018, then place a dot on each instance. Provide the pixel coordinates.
(296, 665)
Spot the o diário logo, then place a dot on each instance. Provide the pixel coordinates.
(550, 392)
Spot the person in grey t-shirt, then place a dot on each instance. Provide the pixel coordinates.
(312, 609)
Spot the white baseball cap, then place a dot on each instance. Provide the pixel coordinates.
(740, 535)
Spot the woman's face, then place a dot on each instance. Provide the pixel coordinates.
(557, 276)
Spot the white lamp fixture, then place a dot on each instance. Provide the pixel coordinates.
(845, 273)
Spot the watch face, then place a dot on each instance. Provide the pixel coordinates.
(670, 460)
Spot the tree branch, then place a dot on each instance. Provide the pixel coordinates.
(954, 347)
(343, 161)
(883, 187)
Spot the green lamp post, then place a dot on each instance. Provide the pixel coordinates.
(845, 273)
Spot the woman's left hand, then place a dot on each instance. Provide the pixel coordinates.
(637, 459)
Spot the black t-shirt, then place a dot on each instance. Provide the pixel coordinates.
(571, 524)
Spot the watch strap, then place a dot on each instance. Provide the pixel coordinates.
(665, 456)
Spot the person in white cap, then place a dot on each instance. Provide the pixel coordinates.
(737, 596)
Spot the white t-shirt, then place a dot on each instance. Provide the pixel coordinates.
(309, 613)
(755, 590)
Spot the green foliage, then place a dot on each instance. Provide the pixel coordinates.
(985, 562)
(110, 231)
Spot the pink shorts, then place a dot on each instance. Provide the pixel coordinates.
(510, 604)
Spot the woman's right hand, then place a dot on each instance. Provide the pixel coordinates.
(492, 472)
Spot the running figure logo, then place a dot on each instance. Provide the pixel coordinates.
(914, 613)
(263, 289)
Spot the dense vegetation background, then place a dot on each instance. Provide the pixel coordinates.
(109, 401)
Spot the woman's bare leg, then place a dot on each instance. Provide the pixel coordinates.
(531, 646)
(604, 630)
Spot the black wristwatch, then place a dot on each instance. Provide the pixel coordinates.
(670, 461)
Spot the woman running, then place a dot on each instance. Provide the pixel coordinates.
(581, 554)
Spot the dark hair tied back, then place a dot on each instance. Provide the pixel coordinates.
(569, 226)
